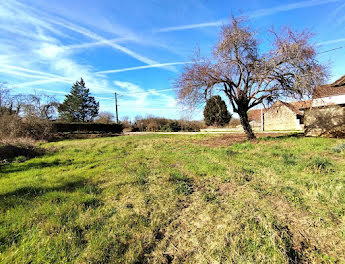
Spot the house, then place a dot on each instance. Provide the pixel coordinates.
(327, 115)
(286, 116)
(280, 116)
(256, 118)
(328, 94)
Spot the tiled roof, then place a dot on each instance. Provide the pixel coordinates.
(302, 104)
(255, 114)
(336, 88)
(295, 106)
(292, 108)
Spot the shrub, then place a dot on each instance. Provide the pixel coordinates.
(289, 158)
(19, 152)
(105, 118)
(171, 126)
(163, 124)
(234, 122)
(87, 127)
(339, 148)
(209, 195)
(183, 184)
(37, 128)
(320, 165)
(13, 126)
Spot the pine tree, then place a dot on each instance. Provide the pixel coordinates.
(78, 105)
(216, 112)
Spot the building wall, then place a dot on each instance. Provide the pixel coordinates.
(325, 121)
(280, 117)
(336, 99)
(256, 124)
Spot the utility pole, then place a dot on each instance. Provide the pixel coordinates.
(262, 120)
(117, 113)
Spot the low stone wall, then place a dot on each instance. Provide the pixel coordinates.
(325, 121)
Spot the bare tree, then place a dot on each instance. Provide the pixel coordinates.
(105, 118)
(249, 77)
(126, 122)
(38, 105)
(5, 99)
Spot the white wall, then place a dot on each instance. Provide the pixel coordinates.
(336, 99)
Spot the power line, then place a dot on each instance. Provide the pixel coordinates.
(341, 47)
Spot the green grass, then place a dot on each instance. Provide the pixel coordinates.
(169, 199)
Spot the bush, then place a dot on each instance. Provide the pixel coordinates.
(37, 128)
(13, 126)
(320, 165)
(234, 122)
(19, 152)
(164, 124)
(183, 184)
(171, 126)
(86, 127)
(105, 118)
(339, 148)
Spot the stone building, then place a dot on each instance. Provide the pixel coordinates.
(280, 116)
(327, 115)
(286, 116)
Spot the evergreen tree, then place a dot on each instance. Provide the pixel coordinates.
(78, 105)
(216, 112)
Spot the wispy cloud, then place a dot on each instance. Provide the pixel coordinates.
(51, 91)
(48, 21)
(337, 15)
(333, 41)
(40, 82)
(86, 32)
(95, 44)
(15, 11)
(157, 65)
(253, 14)
(191, 26)
(134, 95)
(284, 8)
(21, 69)
(132, 90)
(43, 50)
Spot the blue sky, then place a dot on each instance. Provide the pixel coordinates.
(138, 47)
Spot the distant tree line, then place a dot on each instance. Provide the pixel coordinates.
(26, 116)
(30, 116)
(154, 124)
(39, 116)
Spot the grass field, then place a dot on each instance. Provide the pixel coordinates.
(175, 199)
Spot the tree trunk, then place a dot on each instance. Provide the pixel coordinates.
(245, 124)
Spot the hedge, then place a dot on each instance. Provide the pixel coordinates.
(87, 127)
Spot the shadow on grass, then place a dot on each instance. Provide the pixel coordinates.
(292, 135)
(9, 168)
(27, 194)
(10, 152)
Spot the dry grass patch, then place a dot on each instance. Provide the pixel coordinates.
(165, 199)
